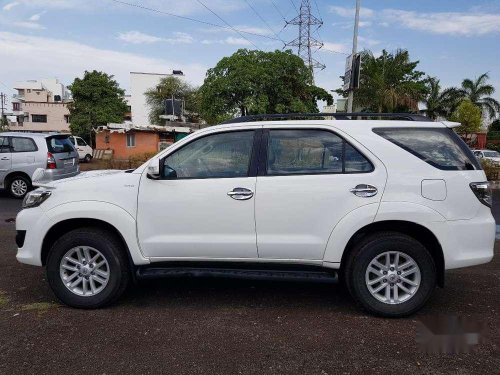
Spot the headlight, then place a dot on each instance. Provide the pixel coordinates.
(36, 198)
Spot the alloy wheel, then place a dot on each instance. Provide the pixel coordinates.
(393, 277)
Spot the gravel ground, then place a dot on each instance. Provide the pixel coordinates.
(229, 327)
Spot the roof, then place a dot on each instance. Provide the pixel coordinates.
(129, 126)
(346, 123)
(33, 85)
(27, 134)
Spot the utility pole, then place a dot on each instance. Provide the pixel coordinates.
(354, 51)
(2, 105)
(305, 42)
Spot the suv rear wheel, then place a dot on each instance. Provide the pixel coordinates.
(391, 274)
(19, 186)
(87, 268)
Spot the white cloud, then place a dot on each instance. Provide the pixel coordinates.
(334, 47)
(229, 40)
(70, 59)
(184, 7)
(136, 37)
(28, 25)
(349, 12)
(9, 6)
(453, 23)
(368, 42)
(36, 17)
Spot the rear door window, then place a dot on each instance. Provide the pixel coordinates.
(22, 144)
(312, 152)
(441, 148)
(4, 145)
(59, 144)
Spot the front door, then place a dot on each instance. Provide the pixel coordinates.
(203, 206)
(5, 158)
(305, 190)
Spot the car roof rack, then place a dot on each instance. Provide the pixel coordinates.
(337, 116)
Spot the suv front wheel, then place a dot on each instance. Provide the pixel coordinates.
(391, 274)
(87, 268)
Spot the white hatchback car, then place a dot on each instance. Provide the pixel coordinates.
(387, 206)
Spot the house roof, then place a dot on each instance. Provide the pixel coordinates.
(129, 126)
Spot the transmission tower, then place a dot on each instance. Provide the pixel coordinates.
(305, 42)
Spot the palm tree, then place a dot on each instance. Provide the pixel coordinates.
(389, 82)
(438, 103)
(478, 92)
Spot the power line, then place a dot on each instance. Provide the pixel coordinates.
(265, 22)
(232, 28)
(295, 6)
(278, 10)
(193, 19)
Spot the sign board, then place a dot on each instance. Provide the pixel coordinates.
(347, 74)
(352, 72)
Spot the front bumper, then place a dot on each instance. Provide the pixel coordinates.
(33, 222)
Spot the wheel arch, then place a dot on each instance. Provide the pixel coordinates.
(12, 174)
(65, 226)
(411, 229)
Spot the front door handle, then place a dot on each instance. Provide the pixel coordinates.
(364, 191)
(4, 158)
(240, 194)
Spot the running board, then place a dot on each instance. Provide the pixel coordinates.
(248, 274)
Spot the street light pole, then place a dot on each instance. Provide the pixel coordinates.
(354, 51)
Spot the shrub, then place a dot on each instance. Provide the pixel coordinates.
(490, 169)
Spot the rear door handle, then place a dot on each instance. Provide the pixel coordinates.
(364, 191)
(240, 194)
(4, 158)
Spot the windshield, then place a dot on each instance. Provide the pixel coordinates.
(59, 144)
(491, 154)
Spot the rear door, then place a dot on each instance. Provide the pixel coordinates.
(304, 189)
(23, 154)
(63, 152)
(5, 158)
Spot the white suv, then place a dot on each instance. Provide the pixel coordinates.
(387, 206)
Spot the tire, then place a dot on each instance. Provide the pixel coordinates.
(87, 158)
(90, 241)
(360, 271)
(19, 186)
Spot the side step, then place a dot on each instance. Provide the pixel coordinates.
(236, 273)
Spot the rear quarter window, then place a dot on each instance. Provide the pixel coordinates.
(57, 145)
(441, 148)
(23, 144)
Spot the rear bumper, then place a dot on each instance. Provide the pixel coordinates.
(57, 174)
(467, 242)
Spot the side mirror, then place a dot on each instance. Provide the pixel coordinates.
(153, 172)
(169, 173)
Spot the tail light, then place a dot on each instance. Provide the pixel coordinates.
(482, 190)
(51, 162)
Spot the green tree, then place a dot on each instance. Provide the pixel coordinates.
(479, 92)
(389, 83)
(494, 126)
(256, 82)
(97, 100)
(469, 115)
(438, 103)
(167, 88)
(4, 124)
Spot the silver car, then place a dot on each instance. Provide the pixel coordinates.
(22, 153)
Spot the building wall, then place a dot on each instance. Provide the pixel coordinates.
(55, 117)
(139, 84)
(145, 142)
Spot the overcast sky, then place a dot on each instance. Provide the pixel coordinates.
(453, 39)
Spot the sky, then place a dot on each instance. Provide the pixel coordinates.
(452, 39)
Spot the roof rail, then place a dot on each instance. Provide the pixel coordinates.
(337, 116)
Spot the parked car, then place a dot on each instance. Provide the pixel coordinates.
(387, 206)
(85, 152)
(491, 155)
(22, 153)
